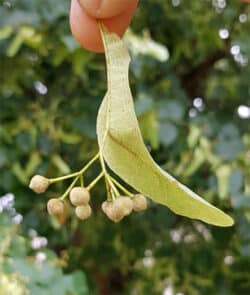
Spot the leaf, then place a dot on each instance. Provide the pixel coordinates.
(171, 110)
(149, 126)
(223, 174)
(146, 46)
(236, 182)
(5, 32)
(15, 45)
(60, 164)
(123, 149)
(229, 142)
(168, 133)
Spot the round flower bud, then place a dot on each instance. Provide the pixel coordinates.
(83, 212)
(140, 202)
(105, 206)
(39, 184)
(79, 196)
(125, 204)
(115, 213)
(55, 207)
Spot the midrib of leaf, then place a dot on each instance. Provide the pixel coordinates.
(116, 140)
(108, 98)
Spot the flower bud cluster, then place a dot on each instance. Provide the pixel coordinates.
(80, 197)
(122, 206)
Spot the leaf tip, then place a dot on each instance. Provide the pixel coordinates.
(225, 221)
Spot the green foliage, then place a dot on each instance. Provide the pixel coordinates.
(50, 90)
(27, 267)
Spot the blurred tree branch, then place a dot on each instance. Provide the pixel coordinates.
(191, 81)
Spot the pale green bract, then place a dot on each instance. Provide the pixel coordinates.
(123, 149)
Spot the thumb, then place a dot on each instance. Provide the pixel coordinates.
(105, 8)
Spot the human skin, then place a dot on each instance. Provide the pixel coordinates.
(85, 14)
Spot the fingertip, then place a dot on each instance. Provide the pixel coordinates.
(85, 28)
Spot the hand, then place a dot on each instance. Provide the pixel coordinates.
(84, 15)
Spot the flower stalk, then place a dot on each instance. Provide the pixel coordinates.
(115, 207)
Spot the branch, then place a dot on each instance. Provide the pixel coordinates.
(191, 81)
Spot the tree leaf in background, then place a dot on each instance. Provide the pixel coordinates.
(122, 146)
(223, 174)
(229, 142)
(150, 128)
(5, 32)
(146, 46)
(168, 133)
(236, 181)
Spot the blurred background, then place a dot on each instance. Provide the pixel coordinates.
(190, 79)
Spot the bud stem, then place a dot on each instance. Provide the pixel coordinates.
(113, 197)
(114, 189)
(81, 181)
(86, 167)
(121, 187)
(54, 180)
(110, 195)
(94, 182)
(69, 188)
(79, 173)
